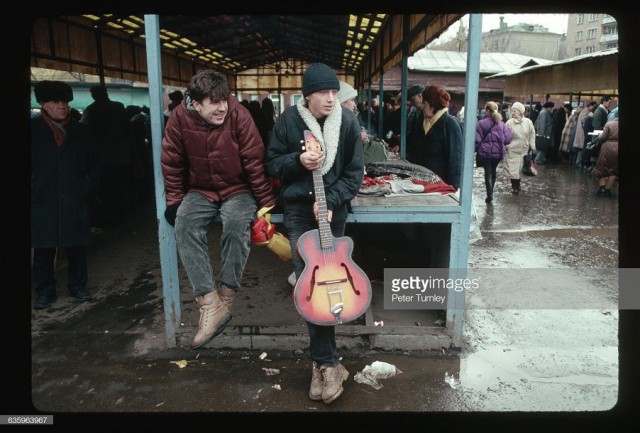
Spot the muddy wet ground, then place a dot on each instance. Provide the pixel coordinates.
(109, 356)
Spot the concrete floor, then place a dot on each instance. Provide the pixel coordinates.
(520, 358)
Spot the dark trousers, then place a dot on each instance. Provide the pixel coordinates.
(298, 218)
(44, 272)
(490, 168)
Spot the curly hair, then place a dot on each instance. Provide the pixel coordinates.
(208, 83)
(436, 96)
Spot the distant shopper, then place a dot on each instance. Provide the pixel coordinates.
(436, 142)
(606, 169)
(523, 139)
(492, 135)
(544, 128)
(109, 126)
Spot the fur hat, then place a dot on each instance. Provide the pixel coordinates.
(46, 91)
(346, 92)
(548, 104)
(413, 91)
(518, 106)
(317, 77)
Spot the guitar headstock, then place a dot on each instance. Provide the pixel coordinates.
(311, 143)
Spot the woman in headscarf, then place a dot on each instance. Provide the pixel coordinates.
(436, 142)
(523, 138)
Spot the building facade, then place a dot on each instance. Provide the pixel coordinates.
(526, 39)
(590, 32)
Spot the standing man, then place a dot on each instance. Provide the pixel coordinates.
(342, 168)
(213, 166)
(414, 114)
(544, 127)
(64, 171)
(109, 126)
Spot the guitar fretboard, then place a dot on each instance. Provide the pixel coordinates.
(326, 237)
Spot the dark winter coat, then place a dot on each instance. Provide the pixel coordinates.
(216, 161)
(62, 178)
(600, 117)
(440, 150)
(109, 126)
(492, 138)
(341, 182)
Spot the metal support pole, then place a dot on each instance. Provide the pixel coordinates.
(460, 232)
(166, 236)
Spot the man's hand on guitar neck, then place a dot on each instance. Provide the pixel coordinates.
(315, 211)
(312, 160)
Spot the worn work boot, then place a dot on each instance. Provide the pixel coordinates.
(317, 383)
(227, 296)
(214, 316)
(333, 378)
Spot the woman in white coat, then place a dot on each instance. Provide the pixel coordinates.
(524, 138)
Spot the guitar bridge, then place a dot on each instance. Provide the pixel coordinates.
(337, 307)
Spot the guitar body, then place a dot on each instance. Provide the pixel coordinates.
(332, 289)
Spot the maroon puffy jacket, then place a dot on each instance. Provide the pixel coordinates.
(216, 161)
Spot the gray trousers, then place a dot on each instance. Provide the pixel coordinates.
(194, 216)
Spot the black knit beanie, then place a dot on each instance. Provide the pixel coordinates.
(317, 77)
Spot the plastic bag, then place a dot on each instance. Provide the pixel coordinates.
(376, 370)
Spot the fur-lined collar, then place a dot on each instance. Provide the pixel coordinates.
(428, 123)
(328, 136)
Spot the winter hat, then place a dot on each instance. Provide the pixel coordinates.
(176, 96)
(346, 92)
(549, 104)
(518, 106)
(414, 90)
(47, 90)
(317, 77)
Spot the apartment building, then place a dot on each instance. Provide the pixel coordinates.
(590, 32)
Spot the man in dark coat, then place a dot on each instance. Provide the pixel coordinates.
(109, 126)
(342, 168)
(64, 171)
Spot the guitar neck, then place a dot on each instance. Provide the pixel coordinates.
(326, 237)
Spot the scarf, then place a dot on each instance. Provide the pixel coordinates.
(428, 123)
(58, 128)
(328, 136)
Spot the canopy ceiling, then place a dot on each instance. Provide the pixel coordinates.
(360, 46)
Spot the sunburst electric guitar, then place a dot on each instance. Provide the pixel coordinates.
(332, 289)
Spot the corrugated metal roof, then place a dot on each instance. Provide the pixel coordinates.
(453, 61)
(576, 59)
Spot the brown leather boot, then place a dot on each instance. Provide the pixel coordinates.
(227, 296)
(333, 378)
(214, 316)
(317, 383)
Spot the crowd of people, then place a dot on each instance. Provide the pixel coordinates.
(220, 157)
